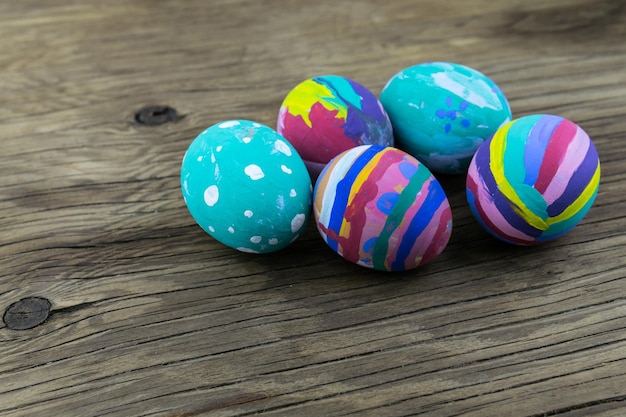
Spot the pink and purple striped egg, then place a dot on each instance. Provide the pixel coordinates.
(534, 180)
(381, 208)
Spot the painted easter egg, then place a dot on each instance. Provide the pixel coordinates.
(442, 112)
(246, 186)
(381, 208)
(324, 116)
(534, 180)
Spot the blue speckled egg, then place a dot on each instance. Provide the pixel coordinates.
(246, 186)
(442, 112)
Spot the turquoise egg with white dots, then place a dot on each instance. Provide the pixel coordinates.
(246, 186)
(441, 112)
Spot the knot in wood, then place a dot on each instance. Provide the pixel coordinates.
(156, 115)
(27, 313)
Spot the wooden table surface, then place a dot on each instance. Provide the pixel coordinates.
(149, 316)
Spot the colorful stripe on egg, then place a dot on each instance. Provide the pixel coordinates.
(380, 208)
(534, 180)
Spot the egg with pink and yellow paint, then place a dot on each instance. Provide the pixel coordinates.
(326, 115)
(381, 208)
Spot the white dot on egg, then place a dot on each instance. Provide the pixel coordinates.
(280, 203)
(254, 172)
(211, 229)
(256, 239)
(211, 195)
(282, 147)
(293, 193)
(231, 229)
(297, 222)
(248, 213)
(212, 157)
(285, 169)
(273, 241)
(227, 124)
(199, 159)
(255, 124)
(247, 139)
(218, 148)
(247, 250)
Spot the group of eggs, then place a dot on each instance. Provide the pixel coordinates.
(375, 201)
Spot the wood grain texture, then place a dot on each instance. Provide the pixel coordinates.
(151, 317)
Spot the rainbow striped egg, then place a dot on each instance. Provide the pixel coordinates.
(534, 180)
(381, 208)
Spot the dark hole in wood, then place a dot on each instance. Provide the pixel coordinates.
(156, 115)
(26, 313)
